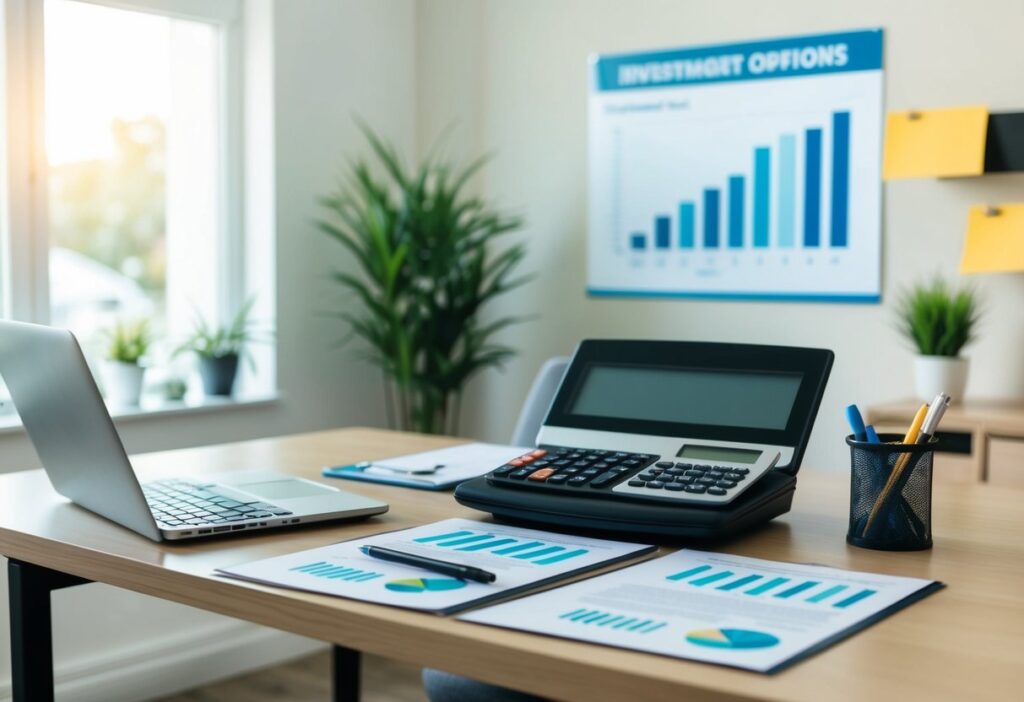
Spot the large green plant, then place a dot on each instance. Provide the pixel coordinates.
(427, 264)
(938, 319)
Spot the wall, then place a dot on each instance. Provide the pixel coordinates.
(513, 75)
(330, 60)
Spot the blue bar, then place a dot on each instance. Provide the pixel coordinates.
(625, 623)
(441, 537)
(465, 540)
(575, 611)
(541, 552)
(762, 190)
(358, 575)
(520, 547)
(797, 589)
(616, 618)
(825, 594)
(580, 613)
(600, 620)
(321, 570)
(840, 177)
(561, 557)
(341, 573)
(740, 582)
(662, 238)
(638, 241)
(640, 625)
(653, 628)
(765, 587)
(593, 617)
(852, 599)
(369, 576)
(487, 544)
(736, 193)
(812, 188)
(686, 227)
(787, 190)
(309, 566)
(714, 577)
(711, 198)
(688, 573)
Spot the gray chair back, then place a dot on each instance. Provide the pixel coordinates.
(542, 393)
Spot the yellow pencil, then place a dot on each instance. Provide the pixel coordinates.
(909, 438)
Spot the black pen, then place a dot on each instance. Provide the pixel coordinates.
(456, 570)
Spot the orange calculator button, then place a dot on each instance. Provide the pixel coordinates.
(541, 474)
(539, 453)
(517, 462)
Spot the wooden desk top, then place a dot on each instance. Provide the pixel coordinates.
(965, 642)
(997, 416)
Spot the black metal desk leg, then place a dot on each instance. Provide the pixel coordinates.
(344, 674)
(31, 631)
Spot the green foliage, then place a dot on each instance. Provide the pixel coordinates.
(210, 341)
(938, 319)
(426, 261)
(128, 342)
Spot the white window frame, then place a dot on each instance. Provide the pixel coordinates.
(24, 231)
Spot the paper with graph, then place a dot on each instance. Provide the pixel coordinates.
(521, 559)
(718, 608)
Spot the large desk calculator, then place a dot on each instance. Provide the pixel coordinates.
(690, 424)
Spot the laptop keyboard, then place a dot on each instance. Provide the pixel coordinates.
(178, 503)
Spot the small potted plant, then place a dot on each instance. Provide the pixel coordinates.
(122, 370)
(219, 349)
(939, 320)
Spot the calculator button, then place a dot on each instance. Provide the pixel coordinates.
(715, 474)
(636, 483)
(570, 471)
(581, 464)
(577, 481)
(727, 484)
(734, 476)
(648, 476)
(665, 464)
(694, 474)
(655, 484)
(557, 479)
(742, 471)
(539, 453)
(542, 474)
(695, 488)
(504, 470)
(684, 466)
(591, 472)
(706, 481)
(520, 474)
(563, 462)
(716, 491)
(675, 487)
(684, 479)
(621, 469)
(517, 462)
(604, 479)
(602, 466)
(674, 471)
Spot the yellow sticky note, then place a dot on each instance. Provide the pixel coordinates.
(935, 143)
(995, 239)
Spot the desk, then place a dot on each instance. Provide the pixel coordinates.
(965, 642)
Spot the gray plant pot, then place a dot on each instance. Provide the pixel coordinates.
(219, 374)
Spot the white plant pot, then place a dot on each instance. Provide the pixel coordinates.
(935, 374)
(122, 383)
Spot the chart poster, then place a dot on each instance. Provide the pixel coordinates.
(747, 170)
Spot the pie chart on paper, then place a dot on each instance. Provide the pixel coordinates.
(731, 638)
(425, 584)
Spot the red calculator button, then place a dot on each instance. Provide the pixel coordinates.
(539, 453)
(517, 462)
(541, 474)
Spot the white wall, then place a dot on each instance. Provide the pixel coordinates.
(513, 75)
(331, 59)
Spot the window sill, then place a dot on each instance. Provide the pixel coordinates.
(153, 408)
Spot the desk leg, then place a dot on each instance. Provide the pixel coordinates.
(31, 631)
(344, 674)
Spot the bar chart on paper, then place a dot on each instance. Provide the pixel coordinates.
(738, 181)
(531, 550)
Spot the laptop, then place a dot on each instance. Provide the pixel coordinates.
(54, 392)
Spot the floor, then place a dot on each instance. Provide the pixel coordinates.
(308, 680)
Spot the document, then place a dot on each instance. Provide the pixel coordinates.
(521, 559)
(995, 240)
(729, 610)
(432, 470)
(935, 143)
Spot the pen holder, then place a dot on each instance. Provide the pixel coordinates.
(891, 494)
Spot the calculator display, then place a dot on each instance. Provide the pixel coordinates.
(719, 453)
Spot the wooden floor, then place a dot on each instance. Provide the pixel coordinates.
(308, 680)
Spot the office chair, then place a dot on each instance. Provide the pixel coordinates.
(447, 687)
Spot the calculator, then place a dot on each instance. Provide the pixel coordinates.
(667, 422)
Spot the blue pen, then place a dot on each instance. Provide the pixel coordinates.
(856, 423)
(872, 435)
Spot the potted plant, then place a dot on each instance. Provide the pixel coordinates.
(427, 265)
(122, 371)
(219, 349)
(939, 320)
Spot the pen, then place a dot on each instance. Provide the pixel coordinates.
(872, 435)
(856, 423)
(456, 570)
(398, 469)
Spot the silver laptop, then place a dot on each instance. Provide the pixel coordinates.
(64, 414)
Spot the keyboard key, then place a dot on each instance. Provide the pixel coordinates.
(281, 513)
(257, 515)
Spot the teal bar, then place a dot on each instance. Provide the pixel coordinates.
(762, 189)
(787, 190)
(739, 582)
(653, 628)
(341, 572)
(308, 566)
(625, 623)
(541, 552)
(520, 547)
(765, 587)
(357, 575)
(686, 225)
(466, 540)
(441, 537)
(797, 589)
(321, 568)
(487, 544)
(581, 615)
(714, 577)
(853, 599)
(600, 620)
(688, 573)
(594, 617)
(825, 594)
(641, 625)
(562, 557)
(324, 570)
(616, 618)
(370, 576)
(575, 611)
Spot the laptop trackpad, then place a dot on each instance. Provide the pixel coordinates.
(285, 489)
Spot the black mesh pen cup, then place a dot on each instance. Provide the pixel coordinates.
(890, 494)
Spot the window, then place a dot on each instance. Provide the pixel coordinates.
(122, 197)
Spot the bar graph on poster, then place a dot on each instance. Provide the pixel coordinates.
(745, 170)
